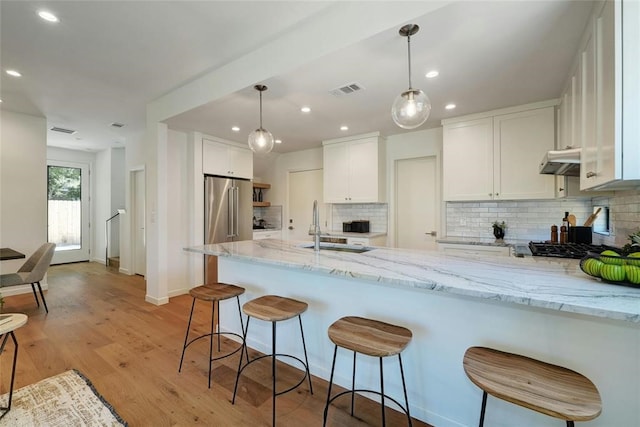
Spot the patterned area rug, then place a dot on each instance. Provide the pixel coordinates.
(67, 399)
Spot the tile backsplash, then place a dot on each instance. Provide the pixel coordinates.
(526, 219)
(531, 220)
(376, 213)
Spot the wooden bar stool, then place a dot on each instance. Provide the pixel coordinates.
(273, 308)
(545, 388)
(372, 338)
(214, 293)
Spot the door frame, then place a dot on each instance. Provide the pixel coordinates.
(132, 218)
(85, 209)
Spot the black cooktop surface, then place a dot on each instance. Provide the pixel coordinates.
(567, 250)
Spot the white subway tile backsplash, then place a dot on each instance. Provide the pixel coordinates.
(376, 213)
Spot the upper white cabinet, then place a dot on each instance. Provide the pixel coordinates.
(495, 155)
(609, 63)
(226, 159)
(354, 169)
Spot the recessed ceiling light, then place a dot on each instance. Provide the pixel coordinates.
(48, 16)
(450, 106)
(14, 73)
(235, 129)
(431, 74)
(305, 109)
(278, 141)
(0, 100)
(344, 127)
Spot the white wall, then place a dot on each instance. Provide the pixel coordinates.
(179, 217)
(101, 203)
(118, 200)
(23, 185)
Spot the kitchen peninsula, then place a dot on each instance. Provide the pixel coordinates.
(546, 309)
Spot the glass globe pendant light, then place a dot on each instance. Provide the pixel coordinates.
(260, 140)
(412, 107)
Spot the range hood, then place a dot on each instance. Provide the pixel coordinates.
(561, 162)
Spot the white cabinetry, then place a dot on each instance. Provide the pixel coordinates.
(354, 169)
(226, 159)
(462, 249)
(367, 241)
(270, 234)
(610, 61)
(494, 155)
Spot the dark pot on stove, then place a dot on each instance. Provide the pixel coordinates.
(498, 232)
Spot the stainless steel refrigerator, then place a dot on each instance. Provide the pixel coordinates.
(228, 205)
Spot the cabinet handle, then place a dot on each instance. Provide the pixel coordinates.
(432, 233)
(560, 189)
(591, 174)
(490, 194)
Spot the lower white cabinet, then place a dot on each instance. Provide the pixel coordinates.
(367, 241)
(269, 234)
(462, 249)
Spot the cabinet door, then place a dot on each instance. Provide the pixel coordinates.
(336, 173)
(241, 162)
(468, 160)
(589, 155)
(522, 140)
(214, 159)
(599, 162)
(363, 171)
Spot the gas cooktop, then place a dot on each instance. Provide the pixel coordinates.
(567, 250)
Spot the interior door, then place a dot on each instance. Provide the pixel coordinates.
(417, 203)
(304, 188)
(139, 237)
(68, 211)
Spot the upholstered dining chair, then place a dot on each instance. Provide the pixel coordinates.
(32, 272)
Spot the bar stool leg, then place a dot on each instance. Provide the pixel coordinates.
(569, 423)
(353, 383)
(242, 327)
(33, 288)
(184, 347)
(333, 366)
(244, 346)
(306, 360)
(273, 372)
(44, 301)
(382, 392)
(404, 388)
(213, 316)
(484, 405)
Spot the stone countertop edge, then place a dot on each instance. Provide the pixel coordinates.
(482, 241)
(533, 281)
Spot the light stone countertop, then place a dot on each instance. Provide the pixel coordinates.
(550, 283)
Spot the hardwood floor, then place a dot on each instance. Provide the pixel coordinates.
(99, 323)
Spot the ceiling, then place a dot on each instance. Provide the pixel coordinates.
(106, 60)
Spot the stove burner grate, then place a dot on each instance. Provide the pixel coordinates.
(568, 250)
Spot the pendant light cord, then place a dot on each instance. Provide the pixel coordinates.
(409, 57)
(260, 110)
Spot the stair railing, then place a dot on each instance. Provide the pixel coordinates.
(106, 237)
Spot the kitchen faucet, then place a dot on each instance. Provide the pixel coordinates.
(315, 227)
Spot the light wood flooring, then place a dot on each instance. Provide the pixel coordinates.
(99, 323)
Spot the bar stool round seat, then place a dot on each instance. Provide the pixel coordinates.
(273, 308)
(549, 389)
(371, 338)
(214, 293)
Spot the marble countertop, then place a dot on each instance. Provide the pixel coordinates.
(369, 235)
(555, 284)
(482, 241)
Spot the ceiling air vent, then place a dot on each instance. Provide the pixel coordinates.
(63, 130)
(117, 125)
(347, 89)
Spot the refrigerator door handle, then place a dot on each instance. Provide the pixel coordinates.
(236, 203)
(230, 212)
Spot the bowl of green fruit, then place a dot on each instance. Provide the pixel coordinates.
(612, 267)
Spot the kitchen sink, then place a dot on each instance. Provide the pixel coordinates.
(355, 249)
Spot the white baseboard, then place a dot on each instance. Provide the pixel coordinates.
(19, 290)
(178, 292)
(124, 271)
(156, 301)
